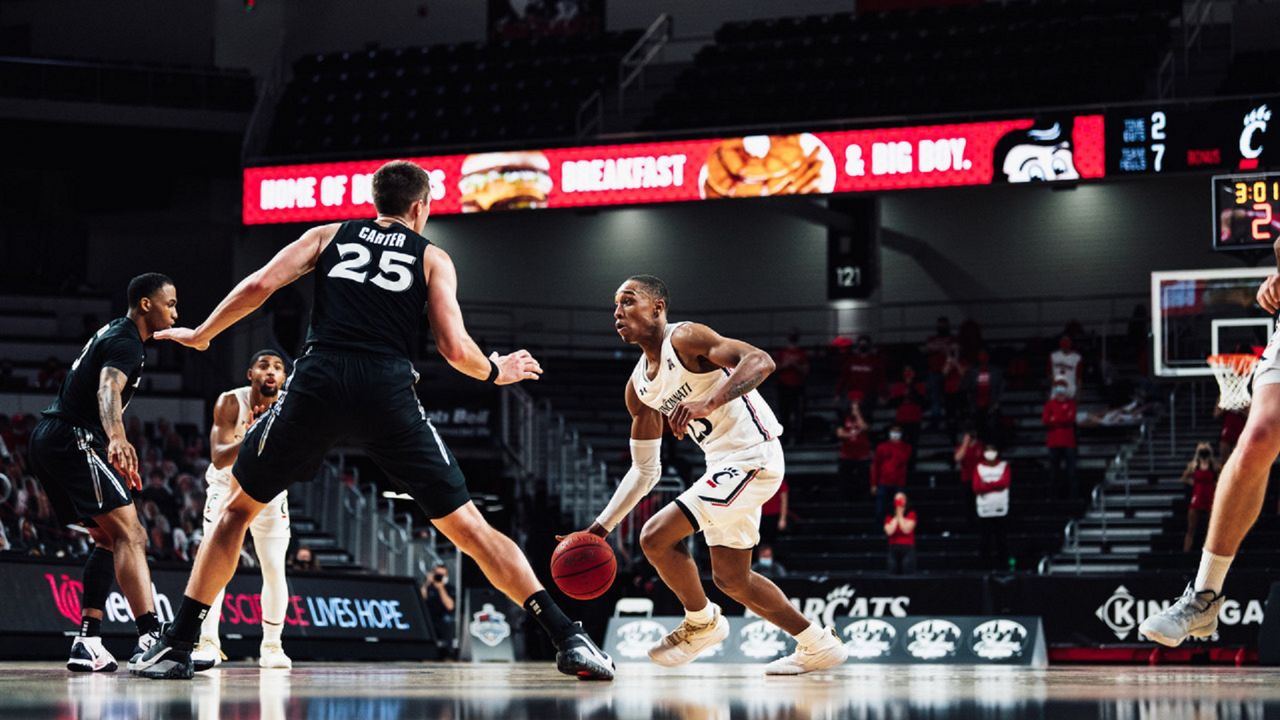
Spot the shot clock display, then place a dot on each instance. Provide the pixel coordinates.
(1246, 211)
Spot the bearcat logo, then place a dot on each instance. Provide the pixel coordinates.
(761, 639)
(999, 640)
(66, 596)
(1255, 123)
(635, 638)
(870, 639)
(933, 639)
(490, 626)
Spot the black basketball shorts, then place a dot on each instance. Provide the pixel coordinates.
(361, 400)
(71, 464)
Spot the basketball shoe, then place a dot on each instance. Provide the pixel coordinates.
(579, 656)
(145, 641)
(689, 640)
(89, 655)
(827, 653)
(166, 659)
(271, 655)
(1194, 614)
(208, 654)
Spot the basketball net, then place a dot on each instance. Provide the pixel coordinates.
(1233, 373)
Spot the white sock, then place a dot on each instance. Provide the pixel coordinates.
(810, 635)
(701, 617)
(1213, 571)
(209, 628)
(275, 590)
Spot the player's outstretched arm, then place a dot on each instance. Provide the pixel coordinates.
(646, 465)
(748, 366)
(292, 262)
(227, 433)
(453, 341)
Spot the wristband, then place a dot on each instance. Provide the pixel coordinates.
(493, 372)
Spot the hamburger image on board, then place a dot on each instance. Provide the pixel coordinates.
(505, 181)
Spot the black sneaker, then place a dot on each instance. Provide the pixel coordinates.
(165, 660)
(579, 656)
(140, 648)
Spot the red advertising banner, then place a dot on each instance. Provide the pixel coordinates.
(980, 153)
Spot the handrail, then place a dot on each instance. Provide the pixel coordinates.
(1193, 22)
(593, 110)
(1166, 77)
(632, 65)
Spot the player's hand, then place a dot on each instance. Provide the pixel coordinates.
(517, 366)
(183, 336)
(124, 458)
(596, 529)
(1269, 294)
(685, 413)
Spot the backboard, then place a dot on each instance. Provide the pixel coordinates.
(1198, 313)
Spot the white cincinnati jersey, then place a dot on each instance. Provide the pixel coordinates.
(743, 423)
(216, 476)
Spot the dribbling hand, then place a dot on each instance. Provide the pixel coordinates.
(517, 366)
(596, 529)
(1269, 294)
(123, 457)
(183, 336)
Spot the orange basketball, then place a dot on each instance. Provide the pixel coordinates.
(583, 566)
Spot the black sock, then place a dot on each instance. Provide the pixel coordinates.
(90, 626)
(147, 622)
(550, 617)
(186, 626)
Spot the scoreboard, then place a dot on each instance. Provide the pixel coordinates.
(1224, 136)
(1246, 211)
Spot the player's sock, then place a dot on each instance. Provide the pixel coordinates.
(186, 626)
(1213, 571)
(209, 628)
(550, 617)
(90, 626)
(271, 631)
(700, 617)
(275, 589)
(147, 622)
(810, 635)
(99, 574)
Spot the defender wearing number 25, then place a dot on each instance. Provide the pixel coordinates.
(354, 385)
(704, 385)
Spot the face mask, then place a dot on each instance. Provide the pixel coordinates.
(989, 454)
(899, 502)
(766, 561)
(895, 436)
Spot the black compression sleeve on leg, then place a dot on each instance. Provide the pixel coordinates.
(550, 617)
(99, 576)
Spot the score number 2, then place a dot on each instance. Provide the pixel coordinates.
(1264, 219)
(1158, 122)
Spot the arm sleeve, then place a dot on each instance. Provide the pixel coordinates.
(122, 355)
(646, 468)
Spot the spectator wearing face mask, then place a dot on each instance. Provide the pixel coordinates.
(1202, 475)
(900, 529)
(1059, 418)
(983, 385)
(855, 449)
(1065, 365)
(937, 350)
(991, 494)
(862, 371)
(767, 565)
(908, 397)
(889, 469)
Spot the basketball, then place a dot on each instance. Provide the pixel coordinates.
(583, 566)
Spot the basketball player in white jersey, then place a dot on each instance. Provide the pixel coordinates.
(232, 416)
(705, 386)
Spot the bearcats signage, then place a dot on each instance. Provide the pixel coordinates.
(1022, 149)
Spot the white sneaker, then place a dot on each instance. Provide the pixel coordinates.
(271, 655)
(687, 641)
(208, 654)
(89, 655)
(827, 653)
(1194, 614)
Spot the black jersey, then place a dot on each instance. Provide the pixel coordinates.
(369, 291)
(117, 345)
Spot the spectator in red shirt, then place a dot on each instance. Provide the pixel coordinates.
(862, 371)
(908, 397)
(889, 469)
(937, 350)
(773, 515)
(967, 456)
(952, 398)
(1202, 475)
(1059, 418)
(991, 492)
(1232, 426)
(855, 448)
(792, 370)
(900, 528)
(984, 384)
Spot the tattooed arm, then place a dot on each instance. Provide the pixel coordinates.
(748, 366)
(120, 453)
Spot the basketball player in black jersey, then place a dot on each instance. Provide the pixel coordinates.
(354, 384)
(81, 456)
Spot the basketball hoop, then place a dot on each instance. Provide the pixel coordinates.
(1233, 373)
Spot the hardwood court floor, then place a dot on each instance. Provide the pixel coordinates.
(386, 691)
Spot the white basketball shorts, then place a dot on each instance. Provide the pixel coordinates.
(724, 504)
(271, 522)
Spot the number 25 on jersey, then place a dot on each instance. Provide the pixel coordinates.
(394, 267)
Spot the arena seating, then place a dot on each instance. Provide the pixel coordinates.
(443, 94)
(135, 84)
(982, 57)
